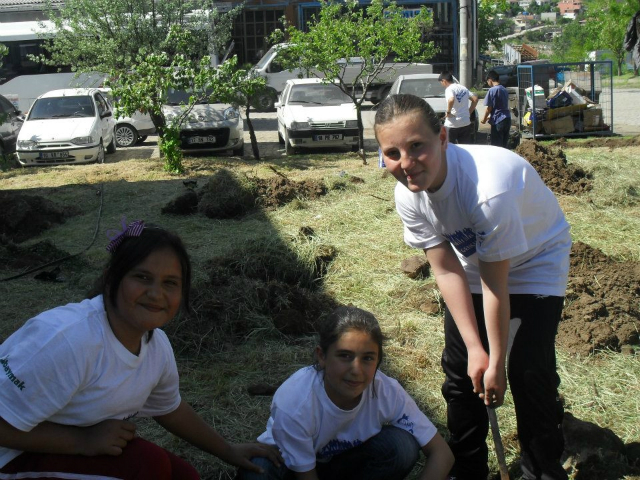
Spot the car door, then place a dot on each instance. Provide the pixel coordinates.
(284, 98)
(10, 124)
(107, 122)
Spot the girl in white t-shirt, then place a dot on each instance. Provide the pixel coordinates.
(344, 419)
(76, 376)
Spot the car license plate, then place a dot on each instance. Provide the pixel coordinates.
(63, 154)
(207, 139)
(328, 136)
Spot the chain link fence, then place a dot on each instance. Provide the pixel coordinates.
(564, 99)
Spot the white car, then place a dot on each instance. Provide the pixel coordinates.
(427, 86)
(313, 113)
(209, 127)
(131, 130)
(67, 126)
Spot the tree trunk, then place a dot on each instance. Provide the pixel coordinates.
(361, 152)
(252, 135)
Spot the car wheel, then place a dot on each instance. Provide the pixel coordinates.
(100, 156)
(111, 148)
(265, 102)
(126, 135)
(288, 148)
(239, 152)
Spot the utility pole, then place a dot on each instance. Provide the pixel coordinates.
(465, 59)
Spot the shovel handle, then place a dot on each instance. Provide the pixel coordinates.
(497, 442)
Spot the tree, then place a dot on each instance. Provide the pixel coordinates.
(145, 47)
(490, 30)
(374, 33)
(606, 23)
(571, 44)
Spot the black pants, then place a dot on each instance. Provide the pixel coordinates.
(534, 386)
(461, 135)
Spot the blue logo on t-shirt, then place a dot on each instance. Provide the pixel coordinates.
(460, 95)
(335, 446)
(404, 421)
(464, 241)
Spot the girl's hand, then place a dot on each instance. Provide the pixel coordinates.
(241, 454)
(495, 386)
(478, 363)
(107, 438)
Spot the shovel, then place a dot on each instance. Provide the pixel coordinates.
(514, 324)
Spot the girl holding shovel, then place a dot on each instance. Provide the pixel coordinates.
(498, 244)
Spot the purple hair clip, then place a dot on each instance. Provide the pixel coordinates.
(117, 236)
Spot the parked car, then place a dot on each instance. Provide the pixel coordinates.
(131, 130)
(72, 125)
(313, 113)
(427, 86)
(10, 123)
(211, 127)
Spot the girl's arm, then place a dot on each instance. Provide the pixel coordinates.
(439, 459)
(105, 438)
(452, 282)
(495, 295)
(188, 425)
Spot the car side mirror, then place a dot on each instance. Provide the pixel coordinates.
(106, 114)
(277, 105)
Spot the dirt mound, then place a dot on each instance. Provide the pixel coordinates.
(551, 164)
(16, 257)
(603, 142)
(265, 283)
(26, 216)
(602, 303)
(227, 195)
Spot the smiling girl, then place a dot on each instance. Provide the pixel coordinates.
(77, 375)
(344, 419)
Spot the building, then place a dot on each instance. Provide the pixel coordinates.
(569, 8)
(260, 18)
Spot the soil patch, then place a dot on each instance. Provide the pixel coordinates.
(26, 216)
(227, 195)
(551, 164)
(602, 303)
(602, 142)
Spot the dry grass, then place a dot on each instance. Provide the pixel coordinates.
(359, 220)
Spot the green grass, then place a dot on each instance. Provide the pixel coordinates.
(360, 222)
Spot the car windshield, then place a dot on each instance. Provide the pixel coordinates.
(62, 107)
(423, 87)
(318, 94)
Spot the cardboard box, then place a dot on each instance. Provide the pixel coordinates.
(592, 117)
(559, 126)
(535, 96)
(553, 113)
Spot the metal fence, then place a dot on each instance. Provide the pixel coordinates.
(565, 99)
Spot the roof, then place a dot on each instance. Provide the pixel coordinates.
(69, 92)
(18, 5)
(13, 31)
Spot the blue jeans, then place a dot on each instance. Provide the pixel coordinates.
(390, 455)
(500, 133)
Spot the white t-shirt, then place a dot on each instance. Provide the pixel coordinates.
(308, 427)
(66, 366)
(460, 111)
(492, 206)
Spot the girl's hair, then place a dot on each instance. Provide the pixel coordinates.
(132, 252)
(402, 104)
(345, 319)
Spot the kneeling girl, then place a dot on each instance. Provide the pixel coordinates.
(344, 419)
